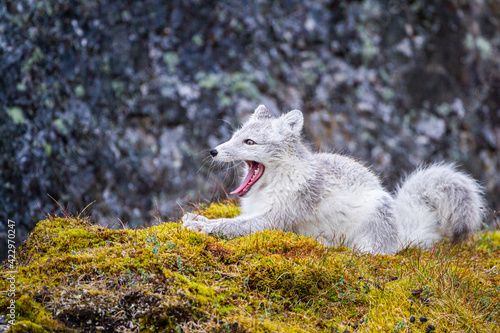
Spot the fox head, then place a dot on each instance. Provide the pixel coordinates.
(263, 138)
(262, 142)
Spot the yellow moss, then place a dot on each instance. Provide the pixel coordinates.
(26, 308)
(56, 235)
(270, 281)
(32, 317)
(201, 293)
(490, 241)
(220, 210)
(390, 306)
(24, 326)
(261, 325)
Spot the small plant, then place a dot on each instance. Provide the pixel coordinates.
(399, 326)
(180, 265)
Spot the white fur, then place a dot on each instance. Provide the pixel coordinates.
(336, 199)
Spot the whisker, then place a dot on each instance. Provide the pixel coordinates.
(203, 151)
(233, 127)
(205, 161)
(230, 171)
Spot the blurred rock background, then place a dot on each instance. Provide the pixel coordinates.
(118, 102)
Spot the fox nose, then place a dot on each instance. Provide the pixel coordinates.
(213, 152)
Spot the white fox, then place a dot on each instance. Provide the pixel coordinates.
(336, 199)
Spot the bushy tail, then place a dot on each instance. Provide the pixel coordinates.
(438, 201)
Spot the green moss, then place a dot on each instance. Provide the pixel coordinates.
(16, 114)
(32, 317)
(481, 44)
(25, 326)
(48, 149)
(36, 57)
(171, 59)
(208, 81)
(60, 126)
(270, 281)
(197, 40)
(118, 87)
(235, 83)
(34, 312)
(80, 91)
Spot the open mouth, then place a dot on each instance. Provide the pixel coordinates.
(255, 171)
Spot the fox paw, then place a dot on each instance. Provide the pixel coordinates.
(195, 222)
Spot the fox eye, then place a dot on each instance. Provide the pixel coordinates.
(249, 142)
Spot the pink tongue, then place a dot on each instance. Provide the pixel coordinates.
(247, 180)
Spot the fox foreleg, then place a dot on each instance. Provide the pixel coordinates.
(231, 227)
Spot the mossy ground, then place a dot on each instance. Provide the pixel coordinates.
(73, 275)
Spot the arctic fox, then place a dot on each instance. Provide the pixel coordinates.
(336, 199)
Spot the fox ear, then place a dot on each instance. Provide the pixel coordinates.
(295, 120)
(261, 113)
